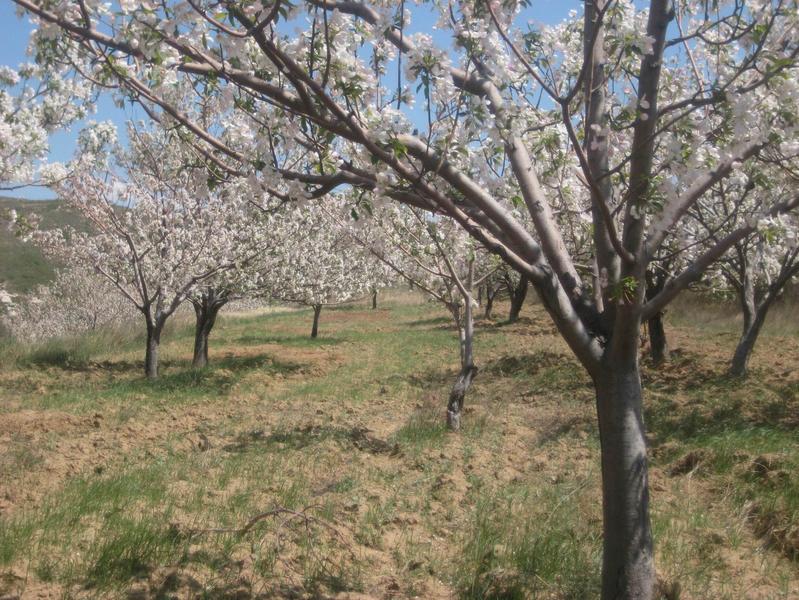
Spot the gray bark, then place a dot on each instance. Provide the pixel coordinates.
(315, 329)
(746, 296)
(746, 343)
(491, 293)
(628, 571)
(518, 295)
(374, 299)
(658, 344)
(457, 396)
(151, 352)
(468, 369)
(627, 556)
(206, 309)
(597, 150)
(755, 311)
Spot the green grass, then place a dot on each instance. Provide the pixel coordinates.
(513, 548)
(424, 427)
(347, 433)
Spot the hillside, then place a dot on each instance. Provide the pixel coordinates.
(22, 265)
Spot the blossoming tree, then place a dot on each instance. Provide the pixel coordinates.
(759, 266)
(714, 89)
(76, 301)
(155, 239)
(316, 265)
(438, 258)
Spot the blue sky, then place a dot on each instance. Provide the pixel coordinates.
(15, 31)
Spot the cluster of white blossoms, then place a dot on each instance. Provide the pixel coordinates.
(75, 302)
(34, 104)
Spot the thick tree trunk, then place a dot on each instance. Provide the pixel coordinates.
(200, 359)
(517, 297)
(658, 346)
(627, 560)
(374, 299)
(151, 352)
(753, 318)
(315, 329)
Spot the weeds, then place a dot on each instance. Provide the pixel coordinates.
(513, 548)
(353, 425)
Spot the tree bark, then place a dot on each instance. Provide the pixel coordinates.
(517, 297)
(374, 299)
(489, 303)
(747, 297)
(201, 331)
(755, 310)
(753, 323)
(457, 396)
(468, 369)
(627, 558)
(151, 352)
(658, 346)
(205, 313)
(315, 329)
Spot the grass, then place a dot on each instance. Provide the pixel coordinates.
(515, 548)
(112, 485)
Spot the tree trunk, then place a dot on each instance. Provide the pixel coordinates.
(205, 313)
(740, 359)
(747, 298)
(627, 558)
(754, 313)
(517, 297)
(315, 329)
(151, 352)
(489, 304)
(658, 347)
(753, 317)
(599, 300)
(457, 396)
(374, 299)
(468, 369)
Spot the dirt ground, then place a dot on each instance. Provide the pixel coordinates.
(300, 469)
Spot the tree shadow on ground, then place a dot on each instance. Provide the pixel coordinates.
(179, 378)
(439, 322)
(526, 364)
(287, 340)
(691, 400)
(299, 438)
(542, 372)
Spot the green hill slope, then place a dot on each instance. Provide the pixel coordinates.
(22, 264)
